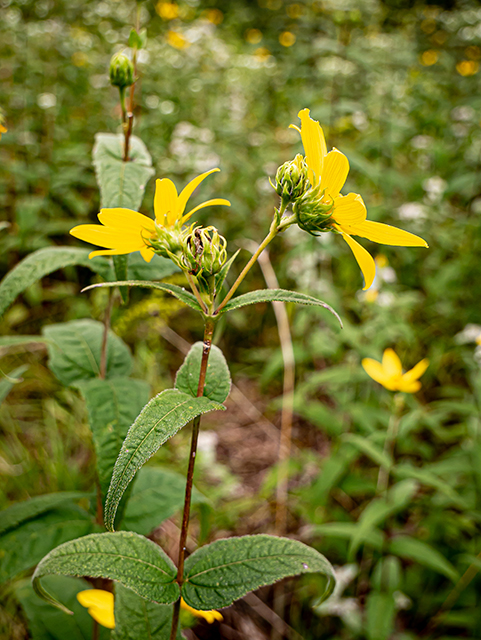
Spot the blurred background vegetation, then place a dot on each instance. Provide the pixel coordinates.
(396, 86)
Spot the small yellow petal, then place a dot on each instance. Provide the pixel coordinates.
(334, 173)
(364, 260)
(147, 254)
(209, 616)
(100, 605)
(314, 145)
(190, 188)
(391, 363)
(127, 219)
(386, 234)
(349, 210)
(166, 205)
(408, 387)
(207, 203)
(416, 372)
(374, 369)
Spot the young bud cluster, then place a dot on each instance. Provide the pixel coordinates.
(313, 213)
(291, 180)
(121, 71)
(204, 251)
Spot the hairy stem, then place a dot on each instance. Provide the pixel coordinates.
(270, 236)
(208, 333)
(389, 444)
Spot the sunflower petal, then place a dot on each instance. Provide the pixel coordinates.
(391, 363)
(374, 369)
(190, 188)
(314, 145)
(416, 372)
(348, 211)
(364, 260)
(166, 205)
(108, 237)
(334, 173)
(147, 253)
(409, 387)
(207, 203)
(386, 234)
(100, 605)
(126, 219)
(209, 616)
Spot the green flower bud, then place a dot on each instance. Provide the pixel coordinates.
(121, 71)
(292, 180)
(313, 214)
(204, 251)
(168, 243)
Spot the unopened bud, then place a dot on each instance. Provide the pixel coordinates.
(204, 251)
(121, 71)
(313, 213)
(292, 180)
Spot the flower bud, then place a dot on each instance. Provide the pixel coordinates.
(313, 213)
(292, 180)
(121, 71)
(204, 251)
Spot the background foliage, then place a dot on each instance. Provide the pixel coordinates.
(396, 87)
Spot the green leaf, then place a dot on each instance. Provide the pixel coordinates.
(121, 184)
(121, 269)
(23, 547)
(7, 382)
(217, 381)
(157, 269)
(137, 40)
(222, 275)
(347, 530)
(74, 351)
(398, 497)
(15, 341)
(134, 561)
(157, 494)
(178, 292)
(370, 449)
(32, 508)
(219, 573)
(428, 478)
(48, 623)
(422, 553)
(276, 295)
(112, 406)
(139, 619)
(160, 419)
(42, 262)
(380, 613)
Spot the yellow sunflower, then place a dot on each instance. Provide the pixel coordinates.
(328, 172)
(390, 374)
(124, 231)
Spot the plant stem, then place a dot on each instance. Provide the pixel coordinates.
(195, 291)
(208, 333)
(95, 630)
(389, 443)
(270, 236)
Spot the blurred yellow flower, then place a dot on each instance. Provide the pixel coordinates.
(177, 40)
(253, 36)
(467, 67)
(478, 340)
(100, 605)
(2, 130)
(215, 16)
(167, 10)
(389, 373)
(125, 231)
(287, 39)
(430, 57)
(329, 171)
(209, 616)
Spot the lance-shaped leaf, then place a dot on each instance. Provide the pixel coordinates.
(74, 350)
(217, 380)
(139, 619)
(156, 495)
(219, 573)
(276, 295)
(178, 292)
(42, 262)
(160, 419)
(22, 547)
(157, 269)
(28, 509)
(112, 405)
(134, 561)
(424, 554)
